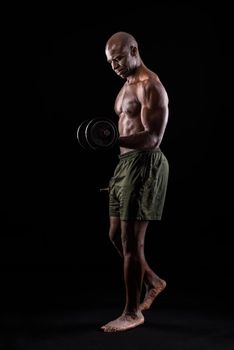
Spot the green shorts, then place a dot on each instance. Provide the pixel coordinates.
(138, 187)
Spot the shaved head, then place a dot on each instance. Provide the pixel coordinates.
(121, 39)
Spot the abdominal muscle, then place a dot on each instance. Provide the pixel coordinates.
(129, 125)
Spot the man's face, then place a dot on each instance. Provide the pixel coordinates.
(121, 59)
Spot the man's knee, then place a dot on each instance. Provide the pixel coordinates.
(112, 235)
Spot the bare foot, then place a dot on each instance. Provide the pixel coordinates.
(124, 323)
(151, 294)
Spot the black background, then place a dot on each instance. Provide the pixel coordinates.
(55, 220)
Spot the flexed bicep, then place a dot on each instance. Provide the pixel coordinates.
(154, 110)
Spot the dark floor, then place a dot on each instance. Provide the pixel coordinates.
(51, 311)
(165, 328)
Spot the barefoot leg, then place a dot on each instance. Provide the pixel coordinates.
(124, 322)
(152, 291)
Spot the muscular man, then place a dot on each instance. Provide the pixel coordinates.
(137, 189)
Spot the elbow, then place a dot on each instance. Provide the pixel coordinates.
(154, 141)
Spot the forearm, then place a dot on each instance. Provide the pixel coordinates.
(140, 140)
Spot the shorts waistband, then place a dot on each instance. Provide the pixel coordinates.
(135, 152)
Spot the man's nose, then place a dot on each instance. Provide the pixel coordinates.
(114, 64)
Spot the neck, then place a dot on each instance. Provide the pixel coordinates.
(138, 74)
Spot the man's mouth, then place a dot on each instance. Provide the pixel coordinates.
(119, 72)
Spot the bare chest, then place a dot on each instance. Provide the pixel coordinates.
(127, 102)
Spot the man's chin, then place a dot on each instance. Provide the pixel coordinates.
(123, 76)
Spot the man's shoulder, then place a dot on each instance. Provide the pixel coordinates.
(153, 86)
(152, 82)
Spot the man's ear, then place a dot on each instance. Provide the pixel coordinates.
(133, 50)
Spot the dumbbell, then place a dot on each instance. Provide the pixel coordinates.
(97, 134)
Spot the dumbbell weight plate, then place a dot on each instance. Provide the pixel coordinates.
(101, 134)
(81, 134)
